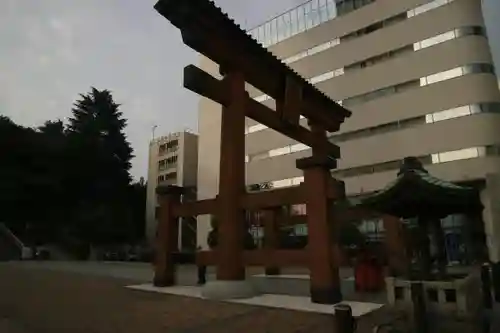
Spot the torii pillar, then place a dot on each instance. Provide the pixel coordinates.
(323, 264)
(230, 215)
(230, 270)
(167, 235)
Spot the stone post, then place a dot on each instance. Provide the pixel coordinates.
(344, 321)
(166, 240)
(419, 308)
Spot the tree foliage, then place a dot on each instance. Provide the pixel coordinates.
(59, 180)
(213, 235)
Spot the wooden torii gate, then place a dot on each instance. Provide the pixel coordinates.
(206, 29)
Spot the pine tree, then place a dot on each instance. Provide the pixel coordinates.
(100, 155)
(54, 168)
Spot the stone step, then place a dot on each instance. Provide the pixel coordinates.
(293, 285)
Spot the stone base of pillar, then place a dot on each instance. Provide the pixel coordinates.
(164, 282)
(221, 290)
(326, 296)
(272, 271)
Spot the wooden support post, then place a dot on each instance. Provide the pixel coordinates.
(289, 108)
(395, 246)
(439, 241)
(324, 268)
(272, 219)
(424, 249)
(230, 215)
(167, 237)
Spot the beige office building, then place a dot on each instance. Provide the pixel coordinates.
(418, 76)
(173, 160)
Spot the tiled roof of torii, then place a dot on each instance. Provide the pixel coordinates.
(193, 15)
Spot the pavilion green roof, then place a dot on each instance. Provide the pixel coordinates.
(416, 193)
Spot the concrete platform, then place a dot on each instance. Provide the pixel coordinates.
(291, 284)
(298, 303)
(223, 290)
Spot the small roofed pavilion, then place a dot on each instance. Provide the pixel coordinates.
(417, 194)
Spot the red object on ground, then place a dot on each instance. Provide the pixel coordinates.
(368, 275)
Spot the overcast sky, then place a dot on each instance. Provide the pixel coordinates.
(52, 50)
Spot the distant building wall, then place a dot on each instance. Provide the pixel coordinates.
(173, 160)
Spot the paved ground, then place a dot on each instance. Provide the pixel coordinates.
(59, 299)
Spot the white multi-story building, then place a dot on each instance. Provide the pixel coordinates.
(173, 160)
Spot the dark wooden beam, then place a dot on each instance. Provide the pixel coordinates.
(255, 201)
(204, 84)
(261, 257)
(201, 207)
(287, 196)
(273, 198)
(290, 107)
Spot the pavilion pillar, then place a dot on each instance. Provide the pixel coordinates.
(439, 239)
(423, 247)
(395, 245)
(272, 219)
(323, 266)
(490, 198)
(166, 239)
(230, 215)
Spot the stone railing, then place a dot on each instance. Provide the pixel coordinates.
(460, 297)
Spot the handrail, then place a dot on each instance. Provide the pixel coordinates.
(7, 231)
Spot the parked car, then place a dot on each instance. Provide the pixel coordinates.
(132, 255)
(42, 253)
(115, 255)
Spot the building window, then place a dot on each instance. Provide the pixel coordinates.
(161, 149)
(428, 6)
(430, 79)
(172, 144)
(171, 175)
(303, 17)
(167, 163)
(460, 154)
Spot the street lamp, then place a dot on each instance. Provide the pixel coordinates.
(153, 131)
